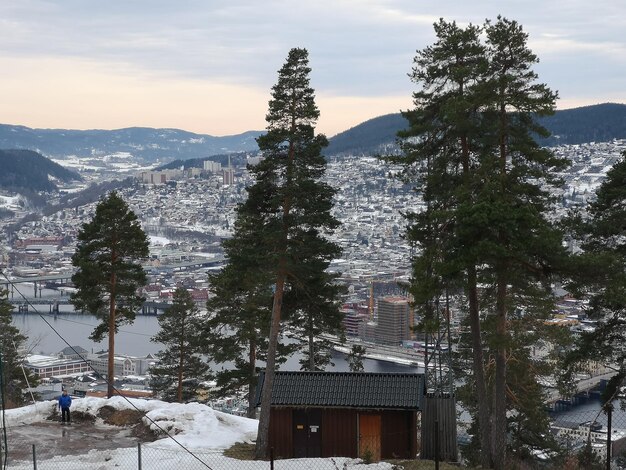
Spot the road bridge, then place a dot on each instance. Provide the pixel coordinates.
(66, 277)
(584, 389)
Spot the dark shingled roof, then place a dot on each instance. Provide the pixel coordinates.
(347, 390)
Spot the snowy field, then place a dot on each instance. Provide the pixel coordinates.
(201, 435)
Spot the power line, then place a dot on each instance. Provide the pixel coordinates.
(87, 324)
(109, 380)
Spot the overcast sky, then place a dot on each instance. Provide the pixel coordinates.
(207, 66)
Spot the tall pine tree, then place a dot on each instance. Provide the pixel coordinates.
(521, 248)
(291, 205)
(109, 274)
(180, 366)
(484, 180)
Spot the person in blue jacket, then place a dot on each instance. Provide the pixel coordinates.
(65, 401)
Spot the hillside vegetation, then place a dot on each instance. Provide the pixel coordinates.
(30, 170)
(597, 123)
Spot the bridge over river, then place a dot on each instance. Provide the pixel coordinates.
(190, 265)
(53, 303)
(585, 388)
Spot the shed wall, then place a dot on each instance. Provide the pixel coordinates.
(339, 433)
(281, 432)
(399, 434)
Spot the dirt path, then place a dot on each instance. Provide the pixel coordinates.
(54, 439)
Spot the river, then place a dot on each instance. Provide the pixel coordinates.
(134, 340)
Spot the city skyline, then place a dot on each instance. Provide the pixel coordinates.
(208, 67)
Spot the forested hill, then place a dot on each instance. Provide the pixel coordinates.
(597, 123)
(368, 137)
(30, 170)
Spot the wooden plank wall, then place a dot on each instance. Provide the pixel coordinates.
(439, 407)
(398, 436)
(281, 432)
(339, 433)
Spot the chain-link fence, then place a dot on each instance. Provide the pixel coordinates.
(155, 457)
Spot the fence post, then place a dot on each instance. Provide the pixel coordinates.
(139, 455)
(34, 458)
(609, 414)
(271, 458)
(436, 444)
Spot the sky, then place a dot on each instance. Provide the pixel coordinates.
(208, 66)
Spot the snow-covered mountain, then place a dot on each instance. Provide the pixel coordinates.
(145, 143)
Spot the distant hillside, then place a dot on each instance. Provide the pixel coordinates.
(30, 170)
(599, 123)
(368, 137)
(145, 143)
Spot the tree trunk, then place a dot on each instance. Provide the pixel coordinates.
(479, 371)
(181, 362)
(111, 362)
(252, 380)
(499, 434)
(262, 440)
(311, 346)
(500, 428)
(478, 363)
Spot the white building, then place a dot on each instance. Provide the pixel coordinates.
(213, 167)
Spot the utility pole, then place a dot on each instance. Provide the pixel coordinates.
(3, 436)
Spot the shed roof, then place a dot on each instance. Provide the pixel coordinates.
(347, 390)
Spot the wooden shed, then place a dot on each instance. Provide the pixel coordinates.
(345, 414)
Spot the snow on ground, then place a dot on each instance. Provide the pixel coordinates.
(158, 241)
(203, 432)
(10, 202)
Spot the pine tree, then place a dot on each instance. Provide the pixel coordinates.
(292, 206)
(108, 274)
(180, 365)
(520, 246)
(483, 178)
(14, 384)
(355, 358)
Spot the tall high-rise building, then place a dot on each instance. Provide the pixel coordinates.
(394, 320)
(228, 176)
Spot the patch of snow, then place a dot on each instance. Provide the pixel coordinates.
(158, 241)
(202, 430)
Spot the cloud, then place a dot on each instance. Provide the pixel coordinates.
(360, 50)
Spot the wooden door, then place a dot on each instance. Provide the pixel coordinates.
(369, 437)
(307, 433)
